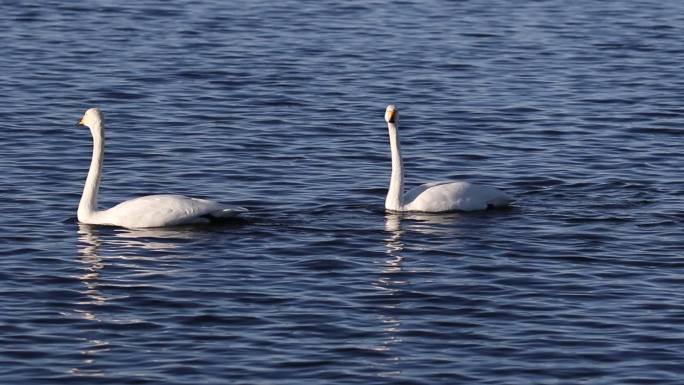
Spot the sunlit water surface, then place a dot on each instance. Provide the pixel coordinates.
(573, 108)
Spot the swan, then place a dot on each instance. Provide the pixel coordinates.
(147, 211)
(434, 196)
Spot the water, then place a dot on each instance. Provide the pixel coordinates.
(573, 108)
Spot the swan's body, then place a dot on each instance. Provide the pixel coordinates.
(434, 196)
(147, 211)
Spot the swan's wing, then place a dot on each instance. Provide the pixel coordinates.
(453, 196)
(411, 195)
(165, 210)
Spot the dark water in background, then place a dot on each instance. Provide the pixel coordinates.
(574, 108)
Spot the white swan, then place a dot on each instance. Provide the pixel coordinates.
(434, 196)
(147, 211)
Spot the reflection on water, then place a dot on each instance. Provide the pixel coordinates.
(105, 247)
(154, 238)
(89, 353)
(432, 223)
(395, 274)
(394, 244)
(390, 284)
(135, 247)
(89, 244)
(585, 133)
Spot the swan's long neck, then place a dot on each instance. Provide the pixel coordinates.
(88, 205)
(395, 193)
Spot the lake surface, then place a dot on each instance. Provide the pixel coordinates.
(574, 108)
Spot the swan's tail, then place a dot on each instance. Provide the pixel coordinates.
(501, 201)
(229, 212)
(223, 215)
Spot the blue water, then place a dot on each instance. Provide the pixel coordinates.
(575, 108)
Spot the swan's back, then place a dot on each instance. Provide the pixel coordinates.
(454, 196)
(164, 210)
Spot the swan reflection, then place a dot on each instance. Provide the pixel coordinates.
(393, 242)
(154, 238)
(401, 230)
(88, 247)
(89, 244)
(390, 281)
(110, 249)
(432, 223)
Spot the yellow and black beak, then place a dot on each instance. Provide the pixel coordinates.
(80, 123)
(391, 116)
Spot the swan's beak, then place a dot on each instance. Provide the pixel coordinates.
(80, 123)
(390, 116)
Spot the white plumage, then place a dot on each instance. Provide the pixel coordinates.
(147, 211)
(434, 196)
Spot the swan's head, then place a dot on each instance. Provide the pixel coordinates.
(391, 114)
(94, 120)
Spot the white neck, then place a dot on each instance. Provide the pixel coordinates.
(395, 193)
(88, 205)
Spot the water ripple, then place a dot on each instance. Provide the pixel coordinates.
(573, 108)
